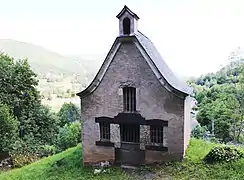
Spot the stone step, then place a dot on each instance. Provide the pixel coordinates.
(129, 167)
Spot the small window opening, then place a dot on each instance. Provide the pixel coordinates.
(157, 135)
(105, 131)
(126, 26)
(130, 133)
(129, 99)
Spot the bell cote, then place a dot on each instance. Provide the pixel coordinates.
(127, 22)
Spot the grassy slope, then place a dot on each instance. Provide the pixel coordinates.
(71, 168)
(193, 168)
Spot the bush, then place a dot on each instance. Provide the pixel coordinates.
(27, 151)
(27, 146)
(47, 150)
(8, 128)
(68, 113)
(199, 132)
(223, 154)
(46, 126)
(24, 152)
(68, 136)
(20, 160)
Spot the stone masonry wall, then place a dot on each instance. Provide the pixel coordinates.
(187, 122)
(153, 102)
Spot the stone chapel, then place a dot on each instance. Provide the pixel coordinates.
(135, 111)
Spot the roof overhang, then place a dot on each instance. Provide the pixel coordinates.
(157, 73)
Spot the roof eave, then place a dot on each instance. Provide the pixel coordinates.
(162, 79)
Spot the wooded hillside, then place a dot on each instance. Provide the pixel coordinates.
(220, 98)
(59, 77)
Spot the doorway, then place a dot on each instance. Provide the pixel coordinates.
(129, 152)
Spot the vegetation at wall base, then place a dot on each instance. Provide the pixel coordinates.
(67, 166)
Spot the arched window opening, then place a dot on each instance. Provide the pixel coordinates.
(126, 26)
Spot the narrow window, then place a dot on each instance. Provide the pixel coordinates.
(157, 135)
(129, 99)
(126, 26)
(104, 131)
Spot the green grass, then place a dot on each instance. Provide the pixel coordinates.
(192, 166)
(69, 167)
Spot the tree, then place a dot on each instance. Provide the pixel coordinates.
(68, 113)
(41, 125)
(8, 128)
(69, 136)
(18, 88)
(239, 110)
(18, 91)
(221, 99)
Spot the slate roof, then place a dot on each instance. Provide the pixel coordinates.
(161, 65)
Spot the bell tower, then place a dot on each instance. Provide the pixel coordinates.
(127, 22)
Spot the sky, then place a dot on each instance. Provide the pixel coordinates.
(194, 37)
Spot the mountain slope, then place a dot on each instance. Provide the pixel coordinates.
(60, 77)
(41, 59)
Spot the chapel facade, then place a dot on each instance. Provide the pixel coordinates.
(135, 111)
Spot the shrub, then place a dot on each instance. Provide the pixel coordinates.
(69, 136)
(47, 150)
(8, 128)
(20, 160)
(24, 152)
(199, 132)
(68, 113)
(223, 154)
(46, 125)
(27, 151)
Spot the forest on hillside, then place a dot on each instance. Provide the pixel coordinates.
(29, 130)
(220, 101)
(59, 77)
